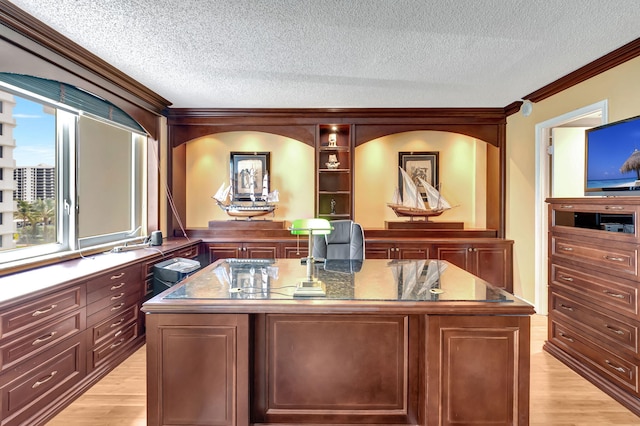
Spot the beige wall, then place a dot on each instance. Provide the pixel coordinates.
(462, 174)
(621, 88)
(207, 164)
(462, 162)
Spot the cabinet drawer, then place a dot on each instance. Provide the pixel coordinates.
(613, 294)
(101, 310)
(594, 322)
(114, 300)
(41, 338)
(34, 312)
(119, 341)
(621, 371)
(114, 324)
(35, 384)
(124, 280)
(620, 260)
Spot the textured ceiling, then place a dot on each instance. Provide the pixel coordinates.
(343, 53)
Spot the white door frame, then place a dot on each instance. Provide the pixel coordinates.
(542, 185)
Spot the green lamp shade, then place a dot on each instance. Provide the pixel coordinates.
(312, 226)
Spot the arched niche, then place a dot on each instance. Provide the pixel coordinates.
(206, 166)
(464, 170)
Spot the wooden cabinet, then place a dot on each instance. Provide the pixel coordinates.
(42, 352)
(267, 249)
(490, 260)
(113, 313)
(594, 319)
(334, 167)
(401, 250)
(198, 369)
(78, 321)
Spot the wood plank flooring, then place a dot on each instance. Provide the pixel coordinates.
(559, 397)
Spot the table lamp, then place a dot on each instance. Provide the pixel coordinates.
(310, 227)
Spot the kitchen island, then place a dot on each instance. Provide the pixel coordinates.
(401, 342)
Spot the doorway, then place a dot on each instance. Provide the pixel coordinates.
(560, 174)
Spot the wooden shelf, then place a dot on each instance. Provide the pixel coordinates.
(334, 186)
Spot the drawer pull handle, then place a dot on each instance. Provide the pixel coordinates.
(612, 365)
(612, 294)
(613, 207)
(44, 338)
(115, 308)
(115, 287)
(565, 278)
(564, 336)
(566, 307)
(43, 311)
(613, 329)
(613, 258)
(118, 333)
(45, 380)
(116, 344)
(566, 206)
(115, 277)
(566, 248)
(117, 297)
(117, 323)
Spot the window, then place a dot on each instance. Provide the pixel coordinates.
(79, 179)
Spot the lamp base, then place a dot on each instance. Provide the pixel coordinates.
(310, 289)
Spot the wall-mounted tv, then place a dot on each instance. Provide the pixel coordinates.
(612, 163)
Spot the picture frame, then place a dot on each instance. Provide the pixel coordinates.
(423, 164)
(241, 166)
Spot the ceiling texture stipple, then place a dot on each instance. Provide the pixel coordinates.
(343, 53)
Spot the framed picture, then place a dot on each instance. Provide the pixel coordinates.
(419, 164)
(247, 172)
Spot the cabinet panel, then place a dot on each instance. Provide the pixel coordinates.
(41, 309)
(489, 349)
(218, 394)
(41, 338)
(37, 383)
(457, 255)
(379, 250)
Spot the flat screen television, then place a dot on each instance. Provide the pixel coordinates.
(612, 163)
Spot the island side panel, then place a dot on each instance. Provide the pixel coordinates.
(478, 370)
(198, 369)
(336, 369)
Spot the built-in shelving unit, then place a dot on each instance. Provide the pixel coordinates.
(334, 166)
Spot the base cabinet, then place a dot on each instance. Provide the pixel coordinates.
(594, 292)
(489, 259)
(385, 369)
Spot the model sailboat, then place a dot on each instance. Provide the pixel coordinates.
(255, 208)
(412, 205)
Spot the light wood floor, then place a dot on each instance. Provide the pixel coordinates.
(559, 397)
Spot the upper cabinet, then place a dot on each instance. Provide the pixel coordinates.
(334, 172)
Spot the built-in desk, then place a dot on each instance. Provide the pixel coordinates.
(393, 342)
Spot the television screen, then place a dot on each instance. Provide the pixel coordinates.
(613, 158)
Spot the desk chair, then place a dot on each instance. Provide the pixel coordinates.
(346, 241)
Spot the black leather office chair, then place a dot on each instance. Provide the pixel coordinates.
(346, 241)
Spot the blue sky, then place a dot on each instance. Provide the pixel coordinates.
(35, 134)
(610, 147)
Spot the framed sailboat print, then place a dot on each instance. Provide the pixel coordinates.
(419, 165)
(248, 171)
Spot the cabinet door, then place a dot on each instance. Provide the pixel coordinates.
(260, 250)
(294, 250)
(379, 251)
(492, 265)
(456, 254)
(224, 251)
(412, 251)
(198, 369)
(478, 370)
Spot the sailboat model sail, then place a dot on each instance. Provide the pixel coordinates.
(411, 204)
(224, 197)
